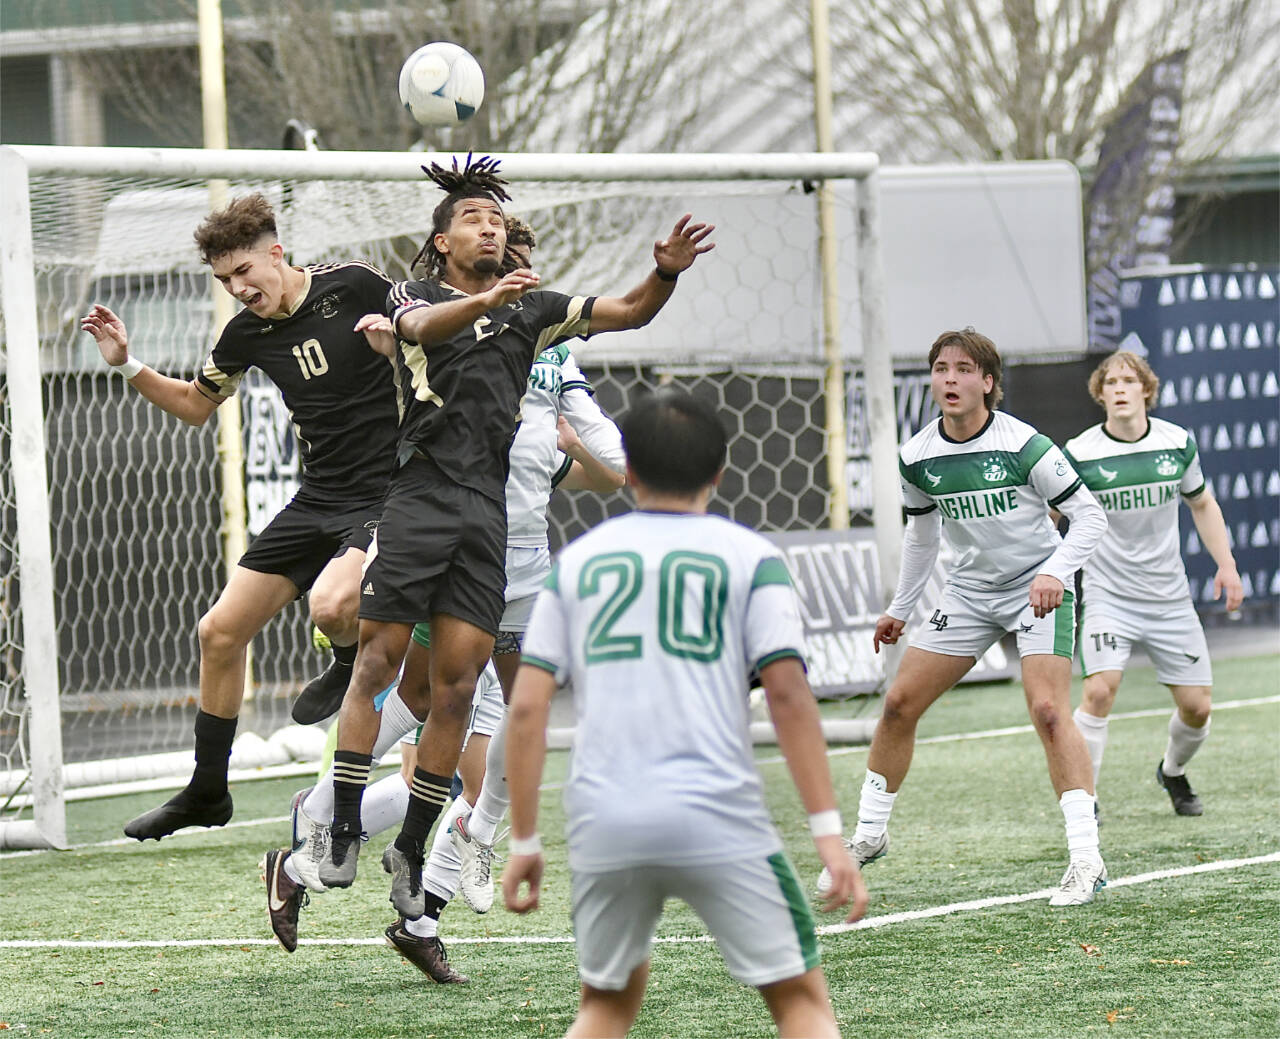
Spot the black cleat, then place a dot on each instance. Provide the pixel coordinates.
(1180, 793)
(321, 697)
(284, 899)
(427, 954)
(181, 810)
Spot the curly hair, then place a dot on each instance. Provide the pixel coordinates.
(239, 225)
(478, 178)
(518, 234)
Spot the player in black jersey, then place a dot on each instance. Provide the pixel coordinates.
(299, 327)
(467, 338)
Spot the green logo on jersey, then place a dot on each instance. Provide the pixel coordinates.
(993, 470)
(1166, 466)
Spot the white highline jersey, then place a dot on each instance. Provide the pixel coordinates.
(656, 620)
(1138, 484)
(993, 491)
(556, 386)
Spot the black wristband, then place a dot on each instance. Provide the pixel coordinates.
(666, 275)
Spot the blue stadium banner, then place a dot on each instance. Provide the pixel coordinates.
(837, 577)
(1213, 337)
(1131, 200)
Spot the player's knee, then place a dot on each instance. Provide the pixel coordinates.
(900, 707)
(333, 611)
(218, 637)
(1195, 710)
(451, 701)
(1046, 715)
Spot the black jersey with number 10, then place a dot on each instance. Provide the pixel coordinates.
(461, 397)
(339, 392)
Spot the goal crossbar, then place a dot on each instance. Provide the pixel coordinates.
(39, 684)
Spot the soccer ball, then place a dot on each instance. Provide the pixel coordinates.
(441, 84)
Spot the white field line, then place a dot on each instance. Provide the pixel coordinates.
(960, 737)
(832, 929)
(1019, 730)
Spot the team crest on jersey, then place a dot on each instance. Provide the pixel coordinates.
(327, 305)
(1166, 466)
(993, 470)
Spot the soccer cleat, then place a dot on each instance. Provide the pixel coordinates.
(322, 696)
(284, 899)
(181, 810)
(476, 878)
(406, 882)
(1080, 883)
(310, 843)
(427, 954)
(1185, 801)
(338, 867)
(863, 853)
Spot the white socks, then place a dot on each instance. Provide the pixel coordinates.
(441, 875)
(394, 721)
(1184, 741)
(494, 800)
(874, 807)
(1082, 826)
(1094, 731)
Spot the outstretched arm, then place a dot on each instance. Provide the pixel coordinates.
(672, 255)
(175, 396)
(1212, 528)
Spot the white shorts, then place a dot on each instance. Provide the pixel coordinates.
(965, 625)
(754, 908)
(486, 709)
(1170, 633)
(527, 571)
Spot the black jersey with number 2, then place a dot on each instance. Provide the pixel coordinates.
(339, 392)
(461, 398)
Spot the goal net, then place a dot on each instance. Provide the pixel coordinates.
(134, 496)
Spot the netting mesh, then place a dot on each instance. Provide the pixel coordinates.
(135, 497)
(13, 714)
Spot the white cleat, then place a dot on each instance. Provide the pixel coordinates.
(476, 879)
(310, 844)
(862, 853)
(1082, 880)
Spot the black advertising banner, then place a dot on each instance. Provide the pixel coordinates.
(1130, 203)
(837, 577)
(1211, 336)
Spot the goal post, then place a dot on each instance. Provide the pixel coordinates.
(109, 508)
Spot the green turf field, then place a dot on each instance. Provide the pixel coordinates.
(1181, 954)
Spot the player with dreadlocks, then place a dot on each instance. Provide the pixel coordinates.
(467, 337)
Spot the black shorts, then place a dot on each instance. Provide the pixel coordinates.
(441, 548)
(301, 540)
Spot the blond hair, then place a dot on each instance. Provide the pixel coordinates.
(1149, 380)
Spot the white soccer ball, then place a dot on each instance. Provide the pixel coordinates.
(441, 84)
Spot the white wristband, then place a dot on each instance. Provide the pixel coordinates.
(525, 845)
(826, 824)
(130, 368)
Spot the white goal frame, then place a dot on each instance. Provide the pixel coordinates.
(39, 671)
